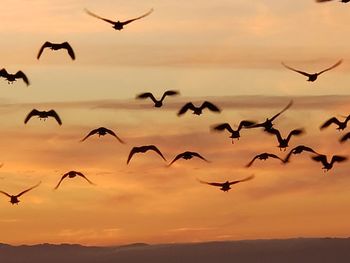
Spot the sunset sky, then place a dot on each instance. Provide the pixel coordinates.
(227, 52)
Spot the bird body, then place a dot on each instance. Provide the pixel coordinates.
(298, 150)
(72, 174)
(14, 198)
(118, 25)
(328, 165)
(102, 131)
(283, 142)
(312, 76)
(157, 103)
(226, 186)
(187, 156)
(235, 134)
(264, 157)
(341, 124)
(43, 115)
(198, 110)
(13, 77)
(57, 46)
(144, 149)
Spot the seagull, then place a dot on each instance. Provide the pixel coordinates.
(143, 149)
(57, 46)
(267, 125)
(328, 165)
(283, 142)
(263, 156)
(235, 134)
(341, 125)
(198, 110)
(187, 156)
(226, 185)
(157, 103)
(13, 77)
(313, 76)
(298, 150)
(72, 174)
(345, 137)
(14, 198)
(101, 132)
(43, 115)
(118, 25)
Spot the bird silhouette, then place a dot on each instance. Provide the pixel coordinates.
(342, 1)
(43, 115)
(118, 25)
(283, 142)
(13, 77)
(14, 198)
(313, 76)
(235, 134)
(298, 150)
(102, 131)
(198, 110)
(341, 125)
(328, 165)
(143, 149)
(72, 174)
(157, 103)
(226, 186)
(268, 124)
(187, 156)
(57, 46)
(345, 137)
(263, 156)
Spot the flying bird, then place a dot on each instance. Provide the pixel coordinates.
(187, 156)
(72, 174)
(263, 156)
(57, 46)
(313, 76)
(118, 25)
(14, 198)
(298, 150)
(345, 137)
(268, 124)
(283, 142)
(143, 149)
(43, 115)
(102, 131)
(235, 134)
(226, 185)
(342, 1)
(198, 110)
(13, 77)
(341, 124)
(328, 165)
(157, 103)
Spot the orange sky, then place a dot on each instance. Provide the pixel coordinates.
(228, 53)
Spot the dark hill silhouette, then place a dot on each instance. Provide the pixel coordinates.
(298, 250)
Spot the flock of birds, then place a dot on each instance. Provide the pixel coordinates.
(267, 125)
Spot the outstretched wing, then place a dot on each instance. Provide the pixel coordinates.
(252, 161)
(5, 193)
(298, 71)
(154, 148)
(113, 134)
(82, 175)
(146, 95)
(320, 158)
(277, 133)
(285, 108)
(131, 20)
(169, 93)
(338, 158)
(21, 75)
(345, 137)
(104, 19)
(25, 191)
(223, 126)
(34, 112)
(186, 107)
(296, 150)
(46, 44)
(54, 114)
(245, 124)
(3, 73)
(210, 106)
(295, 132)
(199, 156)
(213, 184)
(132, 152)
(176, 158)
(243, 180)
(329, 122)
(69, 49)
(332, 67)
(62, 178)
(90, 134)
